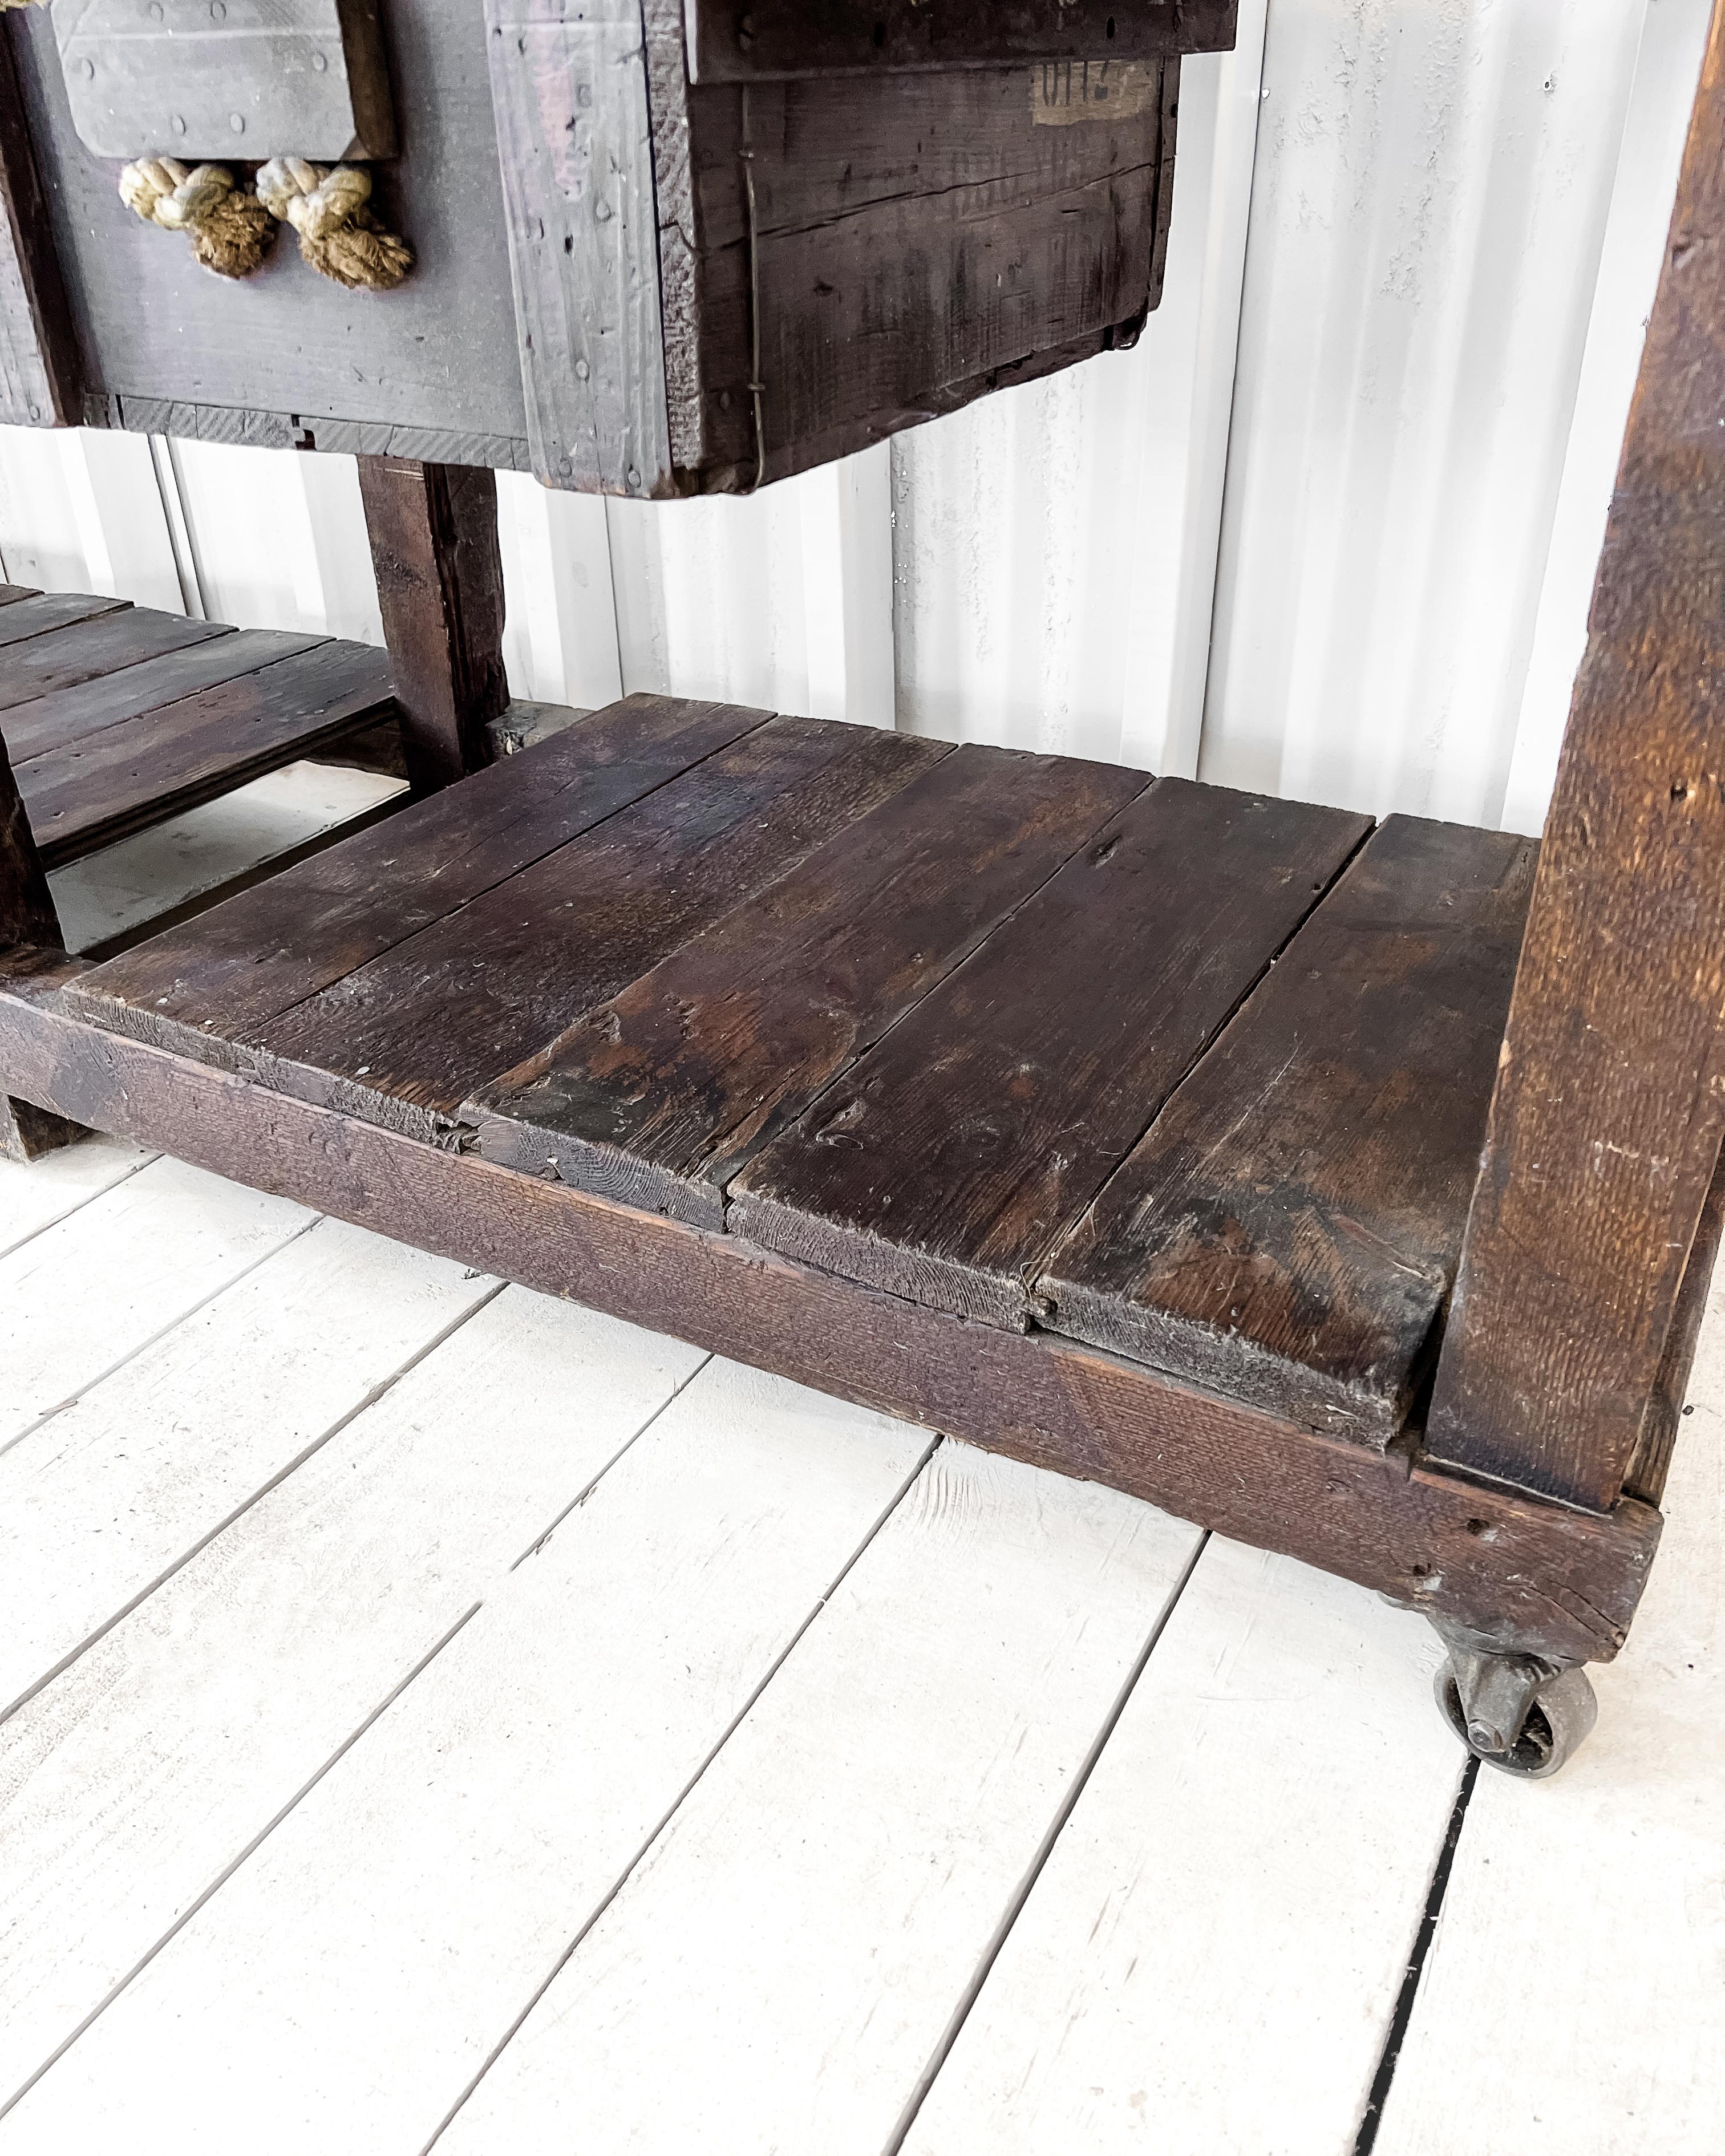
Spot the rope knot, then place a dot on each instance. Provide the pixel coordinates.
(329, 209)
(229, 229)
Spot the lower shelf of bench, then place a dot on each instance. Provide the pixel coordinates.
(1513, 1568)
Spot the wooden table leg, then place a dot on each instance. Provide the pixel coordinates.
(1609, 1109)
(433, 534)
(27, 916)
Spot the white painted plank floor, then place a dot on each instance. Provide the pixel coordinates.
(444, 1717)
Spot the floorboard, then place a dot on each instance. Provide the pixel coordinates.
(444, 1864)
(134, 1783)
(86, 1295)
(40, 613)
(104, 1500)
(62, 656)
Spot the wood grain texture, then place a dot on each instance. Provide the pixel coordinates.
(41, 373)
(433, 537)
(106, 785)
(241, 964)
(1609, 1109)
(405, 1040)
(1288, 1229)
(46, 612)
(27, 911)
(86, 707)
(731, 43)
(665, 1091)
(112, 640)
(569, 89)
(28, 1134)
(1651, 1461)
(9, 593)
(950, 1160)
(1509, 1566)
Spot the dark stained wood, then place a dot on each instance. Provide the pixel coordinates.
(98, 788)
(9, 593)
(433, 534)
(405, 1040)
(661, 1095)
(1287, 1231)
(26, 916)
(48, 611)
(947, 1164)
(1518, 1571)
(28, 1132)
(746, 40)
(41, 373)
(85, 708)
(1652, 1463)
(1609, 1109)
(241, 965)
(113, 641)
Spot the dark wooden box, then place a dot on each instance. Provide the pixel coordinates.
(662, 249)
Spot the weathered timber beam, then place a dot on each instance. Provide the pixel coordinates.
(26, 916)
(1609, 1106)
(1508, 1567)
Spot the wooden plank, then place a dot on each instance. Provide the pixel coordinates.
(780, 38)
(500, 1798)
(575, 141)
(27, 914)
(41, 372)
(434, 538)
(309, 1613)
(1511, 1567)
(952, 1158)
(36, 617)
(660, 1096)
(1609, 1109)
(841, 1867)
(1652, 1460)
(86, 707)
(1287, 1231)
(407, 1038)
(104, 1502)
(63, 657)
(84, 1297)
(100, 789)
(9, 593)
(1211, 1957)
(33, 1197)
(1624, 1856)
(261, 954)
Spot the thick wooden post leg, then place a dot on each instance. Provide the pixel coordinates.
(1571, 1312)
(27, 916)
(433, 533)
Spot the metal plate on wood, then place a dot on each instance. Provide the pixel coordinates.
(747, 40)
(226, 79)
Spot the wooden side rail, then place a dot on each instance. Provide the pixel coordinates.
(1610, 1107)
(26, 916)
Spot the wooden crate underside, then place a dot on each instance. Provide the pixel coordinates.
(1127, 1126)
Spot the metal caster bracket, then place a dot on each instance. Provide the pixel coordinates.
(1519, 1713)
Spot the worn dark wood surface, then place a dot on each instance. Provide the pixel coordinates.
(100, 786)
(114, 639)
(663, 1092)
(1287, 1230)
(1646, 1476)
(948, 1162)
(86, 707)
(405, 1040)
(9, 593)
(433, 534)
(242, 964)
(1513, 1568)
(27, 915)
(39, 616)
(1609, 1108)
(732, 42)
(41, 373)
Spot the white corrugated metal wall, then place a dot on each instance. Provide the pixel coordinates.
(1329, 531)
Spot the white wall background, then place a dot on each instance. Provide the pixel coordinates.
(1329, 531)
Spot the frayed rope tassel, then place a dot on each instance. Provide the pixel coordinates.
(338, 234)
(230, 230)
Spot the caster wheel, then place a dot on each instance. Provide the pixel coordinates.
(1556, 1709)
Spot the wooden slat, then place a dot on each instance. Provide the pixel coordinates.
(788, 1954)
(1610, 1107)
(407, 1038)
(41, 366)
(106, 785)
(44, 611)
(479, 1823)
(111, 636)
(242, 963)
(949, 1161)
(9, 593)
(86, 707)
(1287, 1231)
(34, 1197)
(315, 1607)
(1509, 1566)
(661, 1097)
(1210, 1959)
